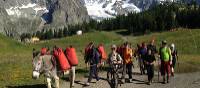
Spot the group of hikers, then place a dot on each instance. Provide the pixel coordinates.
(125, 54)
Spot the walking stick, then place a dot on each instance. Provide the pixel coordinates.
(178, 64)
(158, 70)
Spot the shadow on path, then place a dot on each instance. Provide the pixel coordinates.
(28, 86)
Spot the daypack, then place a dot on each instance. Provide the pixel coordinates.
(128, 53)
(93, 56)
(62, 60)
(102, 52)
(97, 56)
(87, 51)
(71, 56)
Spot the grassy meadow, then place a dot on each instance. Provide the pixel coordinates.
(15, 57)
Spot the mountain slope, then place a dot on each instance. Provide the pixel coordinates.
(28, 16)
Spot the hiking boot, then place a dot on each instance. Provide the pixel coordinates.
(172, 74)
(123, 81)
(164, 82)
(97, 79)
(149, 83)
(167, 81)
(87, 84)
(130, 80)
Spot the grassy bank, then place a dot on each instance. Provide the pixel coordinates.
(15, 63)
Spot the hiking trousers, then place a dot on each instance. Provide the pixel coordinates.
(165, 68)
(93, 71)
(127, 69)
(150, 72)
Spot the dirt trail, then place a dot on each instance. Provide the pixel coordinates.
(187, 80)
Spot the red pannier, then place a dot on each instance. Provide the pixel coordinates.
(102, 52)
(71, 56)
(62, 59)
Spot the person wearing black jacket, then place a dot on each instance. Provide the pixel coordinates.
(92, 58)
(152, 47)
(149, 61)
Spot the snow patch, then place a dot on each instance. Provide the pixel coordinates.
(17, 10)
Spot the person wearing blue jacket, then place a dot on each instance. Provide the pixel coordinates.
(92, 58)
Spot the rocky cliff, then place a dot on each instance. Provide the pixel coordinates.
(28, 16)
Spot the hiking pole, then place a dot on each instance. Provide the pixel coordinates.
(158, 70)
(178, 64)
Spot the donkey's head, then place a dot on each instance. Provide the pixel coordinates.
(37, 66)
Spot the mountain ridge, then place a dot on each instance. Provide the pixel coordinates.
(29, 16)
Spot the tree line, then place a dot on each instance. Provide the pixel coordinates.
(162, 17)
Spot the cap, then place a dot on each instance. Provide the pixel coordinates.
(164, 42)
(172, 45)
(113, 46)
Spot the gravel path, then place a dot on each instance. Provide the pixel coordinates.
(189, 80)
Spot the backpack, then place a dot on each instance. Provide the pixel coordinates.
(92, 56)
(97, 56)
(127, 55)
(102, 52)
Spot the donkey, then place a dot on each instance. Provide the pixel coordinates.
(45, 64)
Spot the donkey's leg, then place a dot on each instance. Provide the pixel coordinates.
(57, 82)
(72, 76)
(48, 82)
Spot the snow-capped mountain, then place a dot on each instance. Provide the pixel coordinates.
(99, 9)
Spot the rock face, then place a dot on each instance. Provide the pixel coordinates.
(28, 16)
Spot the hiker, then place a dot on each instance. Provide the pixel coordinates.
(113, 58)
(120, 50)
(142, 54)
(149, 61)
(86, 54)
(174, 58)
(70, 53)
(128, 64)
(152, 47)
(48, 51)
(166, 60)
(92, 58)
(137, 54)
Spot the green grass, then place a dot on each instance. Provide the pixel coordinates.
(187, 42)
(15, 57)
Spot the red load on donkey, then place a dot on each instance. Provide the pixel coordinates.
(62, 59)
(71, 56)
